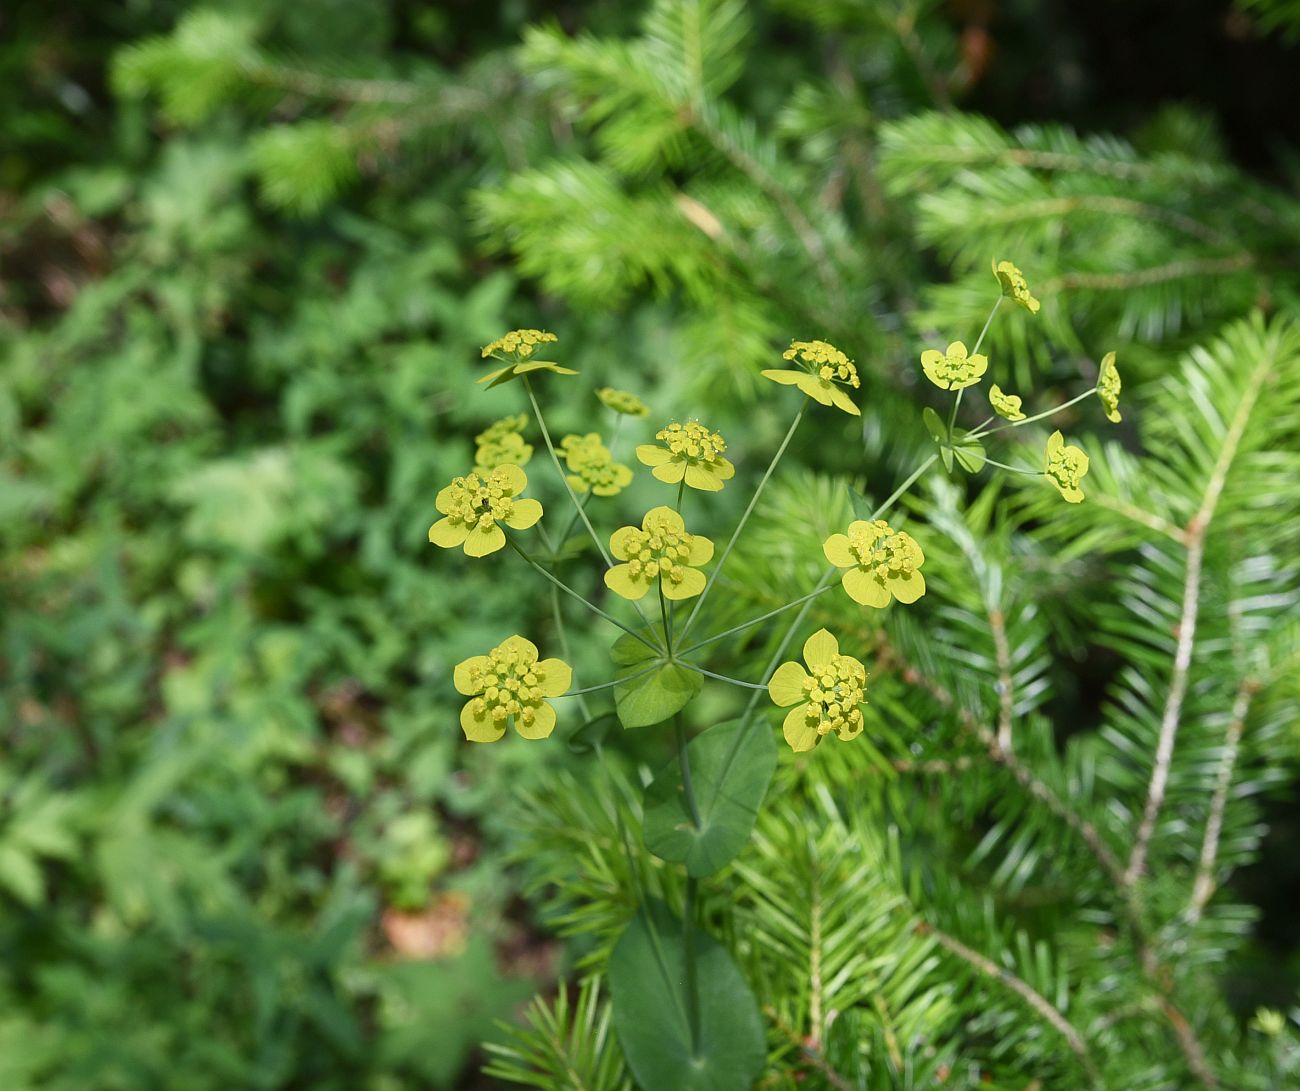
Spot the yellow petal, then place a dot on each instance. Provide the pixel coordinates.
(785, 378)
(863, 587)
(909, 588)
(479, 728)
(671, 472)
(461, 675)
(957, 350)
(443, 500)
(487, 379)
(447, 534)
(521, 646)
(558, 675)
(840, 398)
(819, 648)
(663, 516)
(523, 514)
(692, 583)
(786, 685)
(724, 468)
(816, 388)
(701, 550)
(650, 454)
(618, 541)
(798, 732)
(480, 542)
(619, 580)
(837, 551)
(701, 477)
(511, 478)
(543, 723)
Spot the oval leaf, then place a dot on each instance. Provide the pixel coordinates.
(652, 1009)
(731, 767)
(655, 688)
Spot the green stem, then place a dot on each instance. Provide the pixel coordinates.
(668, 628)
(688, 950)
(589, 605)
(699, 603)
(563, 637)
(1013, 469)
(610, 685)
(1037, 416)
(911, 480)
(754, 621)
(719, 677)
(987, 323)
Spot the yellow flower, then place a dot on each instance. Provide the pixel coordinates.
(515, 350)
(1005, 405)
(953, 370)
(500, 444)
(691, 452)
(1108, 385)
(510, 684)
(593, 466)
(821, 365)
(622, 402)
(1014, 285)
(1065, 467)
(881, 563)
(474, 505)
(661, 550)
(827, 697)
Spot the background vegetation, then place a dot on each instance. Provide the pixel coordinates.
(248, 254)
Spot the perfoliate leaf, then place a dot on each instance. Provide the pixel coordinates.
(655, 688)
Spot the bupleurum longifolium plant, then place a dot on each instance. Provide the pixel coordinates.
(658, 574)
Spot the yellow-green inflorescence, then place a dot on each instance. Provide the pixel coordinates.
(689, 452)
(661, 550)
(1014, 286)
(1108, 386)
(880, 563)
(1005, 405)
(953, 369)
(823, 372)
(507, 685)
(592, 466)
(1065, 466)
(827, 697)
(516, 351)
(500, 444)
(621, 401)
(475, 504)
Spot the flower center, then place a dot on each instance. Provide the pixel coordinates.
(834, 691)
(480, 501)
(882, 551)
(1063, 465)
(658, 552)
(509, 684)
(824, 360)
(691, 441)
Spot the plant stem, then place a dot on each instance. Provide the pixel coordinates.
(1037, 416)
(717, 569)
(1013, 469)
(688, 908)
(668, 629)
(719, 677)
(563, 637)
(754, 621)
(911, 480)
(987, 323)
(610, 685)
(589, 605)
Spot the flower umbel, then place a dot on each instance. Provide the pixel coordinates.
(881, 563)
(821, 366)
(953, 370)
(473, 505)
(1108, 386)
(690, 452)
(661, 550)
(1014, 285)
(1065, 467)
(827, 697)
(515, 350)
(510, 684)
(1004, 405)
(593, 466)
(622, 402)
(500, 444)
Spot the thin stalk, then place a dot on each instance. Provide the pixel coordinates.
(754, 621)
(1037, 416)
(589, 605)
(558, 615)
(911, 480)
(708, 586)
(1013, 469)
(719, 677)
(668, 629)
(987, 323)
(610, 685)
(688, 908)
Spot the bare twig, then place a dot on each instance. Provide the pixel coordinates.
(810, 1052)
(1006, 698)
(1159, 274)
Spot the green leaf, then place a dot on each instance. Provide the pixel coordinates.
(729, 789)
(20, 876)
(589, 737)
(935, 426)
(969, 453)
(648, 981)
(651, 697)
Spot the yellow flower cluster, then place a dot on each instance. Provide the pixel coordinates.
(593, 466)
(622, 402)
(661, 550)
(509, 684)
(1014, 286)
(518, 344)
(473, 505)
(822, 366)
(1108, 386)
(690, 452)
(500, 444)
(827, 697)
(1065, 467)
(953, 370)
(881, 563)
(1005, 405)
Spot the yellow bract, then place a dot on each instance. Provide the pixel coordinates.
(1005, 405)
(515, 350)
(1108, 386)
(880, 562)
(953, 370)
(500, 444)
(510, 684)
(473, 506)
(593, 466)
(622, 402)
(1014, 285)
(661, 550)
(1065, 467)
(690, 453)
(822, 366)
(827, 696)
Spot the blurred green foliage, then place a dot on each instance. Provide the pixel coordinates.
(248, 254)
